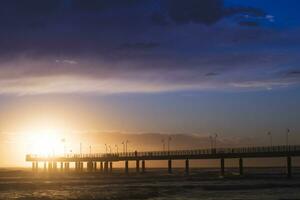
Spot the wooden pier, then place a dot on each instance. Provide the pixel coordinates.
(104, 162)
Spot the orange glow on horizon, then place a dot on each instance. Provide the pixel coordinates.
(45, 142)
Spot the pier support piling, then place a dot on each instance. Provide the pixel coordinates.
(289, 167)
(241, 167)
(89, 166)
(95, 166)
(67, 166)
(61, 166)
(54, 166)
(81, 166)
(106, 167)
(137, 166)
(126, 166)
(101, 166)
(76, 166)
(50, 166)
(187, 167)
(110, 167)
(143, 166)
(33, 167)
(222, 167)
(170, 166)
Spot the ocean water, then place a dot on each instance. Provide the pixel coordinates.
(155, 184)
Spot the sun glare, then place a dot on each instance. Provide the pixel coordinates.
(45, 142)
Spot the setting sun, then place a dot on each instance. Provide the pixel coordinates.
(45, 142)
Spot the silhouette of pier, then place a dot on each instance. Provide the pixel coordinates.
(104, 162)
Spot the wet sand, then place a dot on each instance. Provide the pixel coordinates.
(155, 184)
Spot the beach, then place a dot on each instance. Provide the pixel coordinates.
(156, 184)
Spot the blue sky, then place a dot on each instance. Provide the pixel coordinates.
(155, 66)
(147, 46)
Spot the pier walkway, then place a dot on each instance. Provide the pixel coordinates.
(105, 161)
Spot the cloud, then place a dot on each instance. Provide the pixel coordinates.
(212, 74)
(271, 18)
(249, 23)
(140, 45)
(267, 84)
(145, 75)
(31, 8)
(71, 62)
(114, 47)
(99, 5)
(206, 12)
(293, 73)
(35, 14)
(152, 141)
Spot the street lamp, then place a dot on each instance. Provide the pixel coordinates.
(169, 141)
(90, 149)
(211, 142)
(123, 143)
(80, 148)
(126, 143)
(287, 136)
(216, 136)
(164, 144)
(64, 142)
(271, 139)
(117, 148)
(109, 149)
(106, 148)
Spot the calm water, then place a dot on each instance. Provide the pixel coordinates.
(154, 185)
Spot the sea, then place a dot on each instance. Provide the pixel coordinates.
(155, 184)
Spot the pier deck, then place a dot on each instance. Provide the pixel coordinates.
(218, 153)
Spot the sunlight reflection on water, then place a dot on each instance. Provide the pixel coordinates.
(152, 186)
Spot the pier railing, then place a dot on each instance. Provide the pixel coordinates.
(284, 149)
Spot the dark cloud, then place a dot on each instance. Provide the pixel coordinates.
(159, 19)
(256, 12)
(99, 5)
(140, 46)
(30, 8)
(43, 8)
(212, 74)
(151, 140)
(35, 13)
(249, 23)
(206, 12)
(293, 73)
(115, 43)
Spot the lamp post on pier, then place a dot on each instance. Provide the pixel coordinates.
(123, 143)
(80, 148)
(169, 141)
(164, 144)
(216, 136)
(117, 148)
(271, 138)
(211, 142)
(126, 146)
(64, 143)
(287, 136)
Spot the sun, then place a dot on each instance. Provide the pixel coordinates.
(46, 142)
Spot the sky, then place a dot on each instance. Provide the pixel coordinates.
(185, 67)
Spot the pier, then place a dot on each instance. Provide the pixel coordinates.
(104, 162)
